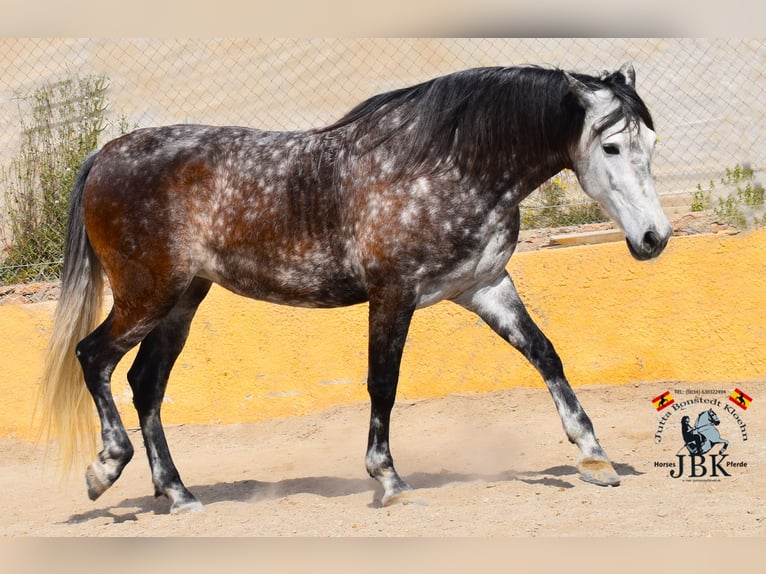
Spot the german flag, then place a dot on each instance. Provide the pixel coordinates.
(663, 400)
(740, 399)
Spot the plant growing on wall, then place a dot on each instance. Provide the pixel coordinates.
(60, 125)
(737, 198)
(554, 204)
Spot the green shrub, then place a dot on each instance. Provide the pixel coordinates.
(554, 204)
(738, 202)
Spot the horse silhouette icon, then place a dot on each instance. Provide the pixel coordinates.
(701, 437)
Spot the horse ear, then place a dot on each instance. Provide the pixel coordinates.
(583, 94)
(629, 73)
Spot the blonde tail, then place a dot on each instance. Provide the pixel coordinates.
(66, 408)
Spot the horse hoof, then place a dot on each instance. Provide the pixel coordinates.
(599, 472)
(97, 480)
(403, 497)
(188, 507)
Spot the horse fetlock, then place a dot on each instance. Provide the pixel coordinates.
(378, 463)
(598, 471)
(117, 455)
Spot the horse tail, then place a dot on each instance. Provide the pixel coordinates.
(66, 408)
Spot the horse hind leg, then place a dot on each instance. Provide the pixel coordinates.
(131, 319)
(98, 354)
(148, 377)
(501, 308)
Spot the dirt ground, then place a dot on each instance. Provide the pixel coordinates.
(483, 465)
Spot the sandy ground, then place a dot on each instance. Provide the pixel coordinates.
(490, 465)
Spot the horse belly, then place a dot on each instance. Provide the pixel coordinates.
(319, 281)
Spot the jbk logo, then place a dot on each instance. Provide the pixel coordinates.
(698, 441)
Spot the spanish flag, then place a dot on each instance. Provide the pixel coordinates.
(740, 399)
(662, 401)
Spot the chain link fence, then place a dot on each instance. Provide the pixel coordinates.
(706, 95)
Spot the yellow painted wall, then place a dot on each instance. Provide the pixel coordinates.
(696, 314)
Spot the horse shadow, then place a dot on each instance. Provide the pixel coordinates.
(328, 487)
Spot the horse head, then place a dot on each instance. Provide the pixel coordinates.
(613, 159)
(708, 417)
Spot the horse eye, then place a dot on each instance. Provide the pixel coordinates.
(611, 149)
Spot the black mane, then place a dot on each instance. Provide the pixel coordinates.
(489, 122)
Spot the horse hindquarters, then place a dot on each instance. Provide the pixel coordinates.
(149, 271)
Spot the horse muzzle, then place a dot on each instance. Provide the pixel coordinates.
(651, 245)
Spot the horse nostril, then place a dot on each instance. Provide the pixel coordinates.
(651, 241)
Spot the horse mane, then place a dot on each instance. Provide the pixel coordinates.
(487, 122)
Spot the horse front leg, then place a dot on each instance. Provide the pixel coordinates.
(388, 326)
(500, 306)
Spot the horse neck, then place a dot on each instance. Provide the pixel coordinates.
(522, 180)
(532, 178)
(535, 129)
